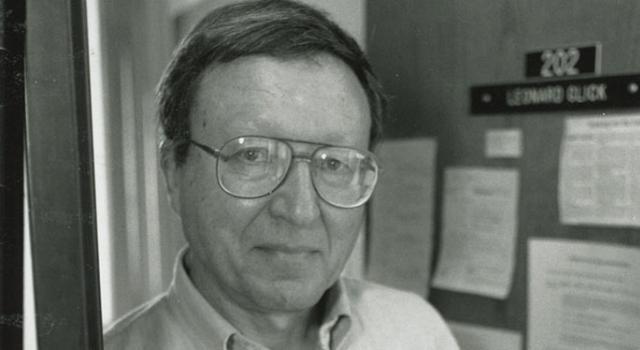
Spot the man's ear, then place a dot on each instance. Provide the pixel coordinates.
(172, 176)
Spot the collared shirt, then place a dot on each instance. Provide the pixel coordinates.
(358, 315)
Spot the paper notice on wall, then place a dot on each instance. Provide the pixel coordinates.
(479, 221)
(472, 337)
(503, 143)
(583, 296)
(599, 167)
(402, 215)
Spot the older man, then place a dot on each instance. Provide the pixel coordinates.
(269, 111)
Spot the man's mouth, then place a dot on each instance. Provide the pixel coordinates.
(287, 249)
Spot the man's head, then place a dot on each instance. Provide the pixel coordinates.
(276, 28)
(269, 240)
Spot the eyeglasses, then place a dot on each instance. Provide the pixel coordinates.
(255, 166)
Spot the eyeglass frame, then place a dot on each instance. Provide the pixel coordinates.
(217, 153)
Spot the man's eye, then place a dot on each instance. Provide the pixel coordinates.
(334, 165)
(252, 155)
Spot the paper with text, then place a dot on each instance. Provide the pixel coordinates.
(583, 296)
(599, 167)
(503, 143)
(479, 221)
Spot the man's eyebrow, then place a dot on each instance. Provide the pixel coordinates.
(330, 139)
(336, 139)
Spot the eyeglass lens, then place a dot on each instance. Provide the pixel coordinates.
(251, 167)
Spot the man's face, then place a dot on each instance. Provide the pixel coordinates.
(282, 251)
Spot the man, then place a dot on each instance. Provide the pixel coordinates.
(269, 111)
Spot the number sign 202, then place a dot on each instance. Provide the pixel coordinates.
(563, 62)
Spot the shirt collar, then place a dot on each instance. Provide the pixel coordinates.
(337, 317)
(202, 321)
(196, 314)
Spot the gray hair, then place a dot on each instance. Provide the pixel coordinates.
(277, 28)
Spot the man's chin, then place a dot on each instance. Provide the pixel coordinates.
(289, 295)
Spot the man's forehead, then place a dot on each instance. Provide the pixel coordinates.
(261, 70)
(247, 95)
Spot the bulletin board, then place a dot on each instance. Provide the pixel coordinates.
(428, 55)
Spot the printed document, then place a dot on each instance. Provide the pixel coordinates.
(479, 222)
(599, 167)
(583, 296)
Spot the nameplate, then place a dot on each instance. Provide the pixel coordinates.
(608, 92)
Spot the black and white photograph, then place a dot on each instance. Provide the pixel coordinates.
(319, 175)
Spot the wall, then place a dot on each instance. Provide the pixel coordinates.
(142, 235)
(428, 54)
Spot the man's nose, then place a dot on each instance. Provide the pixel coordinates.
(296, 199)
